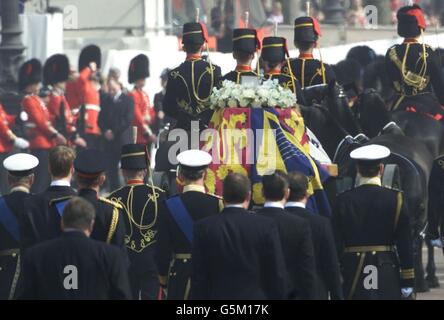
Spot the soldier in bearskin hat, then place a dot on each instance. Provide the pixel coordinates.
(55, 74)
(89, 97)
(39, 130)
(144, 115)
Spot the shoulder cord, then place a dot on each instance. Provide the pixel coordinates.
(113, 225)
(195, 92)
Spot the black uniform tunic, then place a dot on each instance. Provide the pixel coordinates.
(309, 71)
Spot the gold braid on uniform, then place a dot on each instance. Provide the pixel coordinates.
(114, 218)
(145, 230)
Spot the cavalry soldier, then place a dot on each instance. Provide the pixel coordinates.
(55, 74)
(274, 53)
(89, 97)
(41, 134)
(142, 205)
(373, 233)
(305, 68)
(176, 225)
(144, 115)
(8, 140)
(89, 167)
(20, 178)
(190, 85)
(414, 68)
(245, 44)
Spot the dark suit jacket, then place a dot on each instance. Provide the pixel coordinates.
(117, 116)
(328, 278)
(297, 246)
(101, 270)
(237, 255)
(38, 223)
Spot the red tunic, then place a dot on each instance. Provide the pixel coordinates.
(6, 121)
(89, 96)
(54, 108)
(143, 113)
(39, 130)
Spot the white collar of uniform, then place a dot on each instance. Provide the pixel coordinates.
(193, 187)
(375, 181)
(240, 205)
(20, 189)
(273, 204)
(293, 204)
(60, 183)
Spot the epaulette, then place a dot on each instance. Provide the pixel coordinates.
(215, 195)
(114, 204)
(393, 189)
(51, 202)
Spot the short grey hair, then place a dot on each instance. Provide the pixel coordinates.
(78, 214)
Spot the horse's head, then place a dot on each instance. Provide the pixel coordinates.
(315, 94)
(371, 112)
(338, 104)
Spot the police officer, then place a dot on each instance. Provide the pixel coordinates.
(274, 53)
(142, 204)
(87, 112)
(245, 45)
(55, 74)
(305, 68)
(190, 85)
(89, 167)
(42, 135)
(176, 225)
(373, 233)
(20, 178)
(414, 67)
(144, 115)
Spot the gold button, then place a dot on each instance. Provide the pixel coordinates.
(14, 255)
(185, 260)
(374, 252)
(358, 254)
(1, 268)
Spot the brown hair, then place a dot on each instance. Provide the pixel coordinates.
(236, 188)
(61, 159)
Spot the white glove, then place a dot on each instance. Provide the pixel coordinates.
(436, 243)
(21, 143)
(406, 292)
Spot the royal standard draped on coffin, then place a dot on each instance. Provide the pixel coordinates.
(255, 140)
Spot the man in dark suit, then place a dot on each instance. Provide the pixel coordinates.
(73, 266)
(176, 224)
(295, 236)
(115, 121)
(328, 278)
(237, 254)
(37, 219)
(20, 179)
(109, 227)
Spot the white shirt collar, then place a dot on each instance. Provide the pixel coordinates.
(117, 96)
(292, 204)
(272, 204)
(60, 183)
(376, 181)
